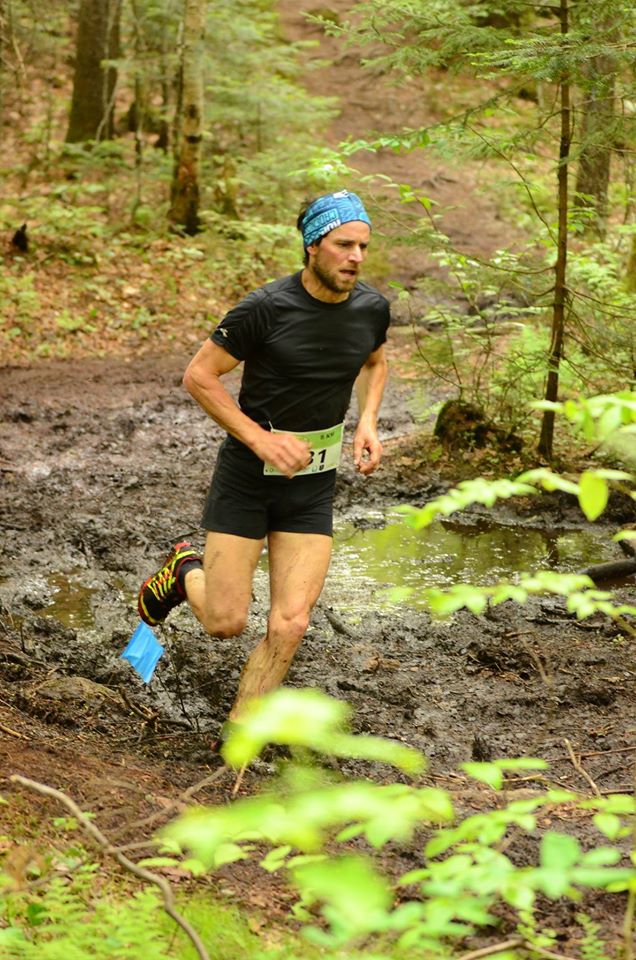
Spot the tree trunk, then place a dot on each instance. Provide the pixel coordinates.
(4, 43)
(93, 102)
(184, 205)
(630, 270)
(596, 142)
(560, 290)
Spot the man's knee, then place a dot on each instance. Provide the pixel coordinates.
(224, 626)
(288, 629)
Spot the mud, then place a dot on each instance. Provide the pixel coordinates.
(103, 465)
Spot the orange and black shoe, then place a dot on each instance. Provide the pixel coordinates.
(161, 592)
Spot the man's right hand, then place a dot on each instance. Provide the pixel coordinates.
(284, 451)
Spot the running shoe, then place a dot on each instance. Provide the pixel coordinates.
(161, 592)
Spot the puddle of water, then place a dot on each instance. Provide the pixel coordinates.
(367, 562)
(71, 603)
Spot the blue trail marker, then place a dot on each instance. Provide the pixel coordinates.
(143, 652)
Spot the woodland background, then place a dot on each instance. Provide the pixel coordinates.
(496, 153)
(153, 156)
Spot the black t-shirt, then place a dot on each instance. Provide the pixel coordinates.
(301, 355)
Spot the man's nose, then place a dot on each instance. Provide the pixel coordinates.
(356, 254)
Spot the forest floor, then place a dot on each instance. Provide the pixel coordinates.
(105, 462)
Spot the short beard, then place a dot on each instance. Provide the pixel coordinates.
(329, 282)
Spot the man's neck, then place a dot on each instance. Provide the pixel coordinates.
(315, 288)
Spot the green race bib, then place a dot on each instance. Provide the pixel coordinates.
(326, 447)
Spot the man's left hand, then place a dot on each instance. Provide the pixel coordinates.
(367, 450)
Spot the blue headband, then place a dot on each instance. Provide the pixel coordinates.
(326, 213)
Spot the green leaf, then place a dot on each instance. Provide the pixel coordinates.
(194, 866)
(599, 877)
(625, 535)
(487, 773)
(12, 935)
(545, 478)
(559, 851)
(609, 824)
(159, 862)
(601, 856)
(229, 853)
(294, 717)
(522, 763)
(36, 914)
(275, 859)
(356, 899)
(593, 494)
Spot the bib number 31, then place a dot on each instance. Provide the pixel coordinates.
(326, 447)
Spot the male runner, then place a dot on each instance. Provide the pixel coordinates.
(304, 341)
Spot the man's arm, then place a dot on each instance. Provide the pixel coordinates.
(202, 379)
(369, 390)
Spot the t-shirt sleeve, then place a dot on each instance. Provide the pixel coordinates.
(383, 324)
(245, 326)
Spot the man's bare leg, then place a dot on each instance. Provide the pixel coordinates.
(221, 592)
(298, 565)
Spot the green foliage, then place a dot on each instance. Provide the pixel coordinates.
(610, 420)
(21, 303)
(258, 117)
(308, 825)
(72, 911)
(309, 819)
(321, 729)
(509, 50)
(486, 333)
(62, 920)
(592, 945)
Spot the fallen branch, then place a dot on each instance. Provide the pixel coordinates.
(580, 768)
(613, 570)
(13, 733)
(598, 753)
(103, 842)
(493, 948)
(239, 780)
(183, 798)
(336, 622)
(548, 680)
(512, 945)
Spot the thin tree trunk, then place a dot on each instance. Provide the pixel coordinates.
(138, 113)
(93, 102)
(546, 439)
(593, 176)
(184, 206)
(163, 140)
(4, 44)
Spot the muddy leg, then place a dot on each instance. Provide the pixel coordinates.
(221, 592)
(298, 564)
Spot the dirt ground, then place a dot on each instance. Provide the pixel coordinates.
(104, 463)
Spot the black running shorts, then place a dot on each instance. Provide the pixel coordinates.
(244, 502)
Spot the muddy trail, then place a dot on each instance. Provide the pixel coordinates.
(103, 465)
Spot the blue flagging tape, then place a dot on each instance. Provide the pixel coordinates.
(143, 651)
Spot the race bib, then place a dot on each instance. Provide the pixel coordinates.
(326, 447)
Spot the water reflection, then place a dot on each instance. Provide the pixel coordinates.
(71, 601)
(368, 561)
